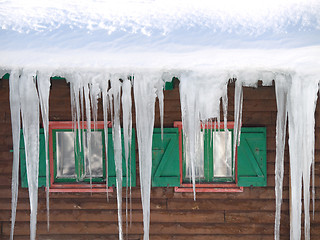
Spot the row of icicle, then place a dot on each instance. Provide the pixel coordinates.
(296, 97)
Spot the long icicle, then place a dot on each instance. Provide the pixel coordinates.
(30, 120)
(281, 88)
(116, 134)
(190, 124)
(238, 101)
(127, 134)
(144, 94)
(160, 96)
(105, 103)
(301, 109)
(95, 94)
(16, 125)
(88, 138)
(43, 82)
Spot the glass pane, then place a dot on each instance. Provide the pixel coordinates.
(94, 155)
(199, 160)
(222, 158)
(65, 155)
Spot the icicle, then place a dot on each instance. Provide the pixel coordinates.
(105, 103)
(16, 125)
(127, 134)
(43, 81)
(282, 85)
(225, 122)
(94, 96)
(225, 109)
(88, 118)
(196, 90)
(160, 96)
(75, 90)
(116, 134)
(30, 120)
(145, 94)
(313, 187)
(190, 123)
(82, 120)
(238, 101)
(302, 102)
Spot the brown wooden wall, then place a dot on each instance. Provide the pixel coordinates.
(242, 216)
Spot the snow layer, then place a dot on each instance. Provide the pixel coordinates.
(143, 15)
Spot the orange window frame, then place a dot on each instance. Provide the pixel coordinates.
(205, 187)
(71, 187)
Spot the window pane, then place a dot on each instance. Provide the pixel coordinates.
(199, 160)
(95, 155)
(222, 158)
(65, 155)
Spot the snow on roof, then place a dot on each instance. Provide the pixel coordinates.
(160, 34)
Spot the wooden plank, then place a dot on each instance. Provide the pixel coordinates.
(255, 217)
(5, 168)
(81, 215)
(22, 228)
(83, 203)
(225, 204)
(56, 236)
(155, 237)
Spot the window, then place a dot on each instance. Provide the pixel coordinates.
(215, 164)
(69, 159)
(215, 170)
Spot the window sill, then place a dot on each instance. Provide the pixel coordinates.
(80, 188)
(209, 188)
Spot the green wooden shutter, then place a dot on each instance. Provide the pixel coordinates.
(252, 157)
(165, 158)
(111, 163)
(42, 161)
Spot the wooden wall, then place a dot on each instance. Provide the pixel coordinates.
(241, 216)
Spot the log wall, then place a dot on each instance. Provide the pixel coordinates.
(241, 216)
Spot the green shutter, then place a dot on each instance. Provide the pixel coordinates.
(165, 158)
(111, 163)
(42, 161)
(252, 157)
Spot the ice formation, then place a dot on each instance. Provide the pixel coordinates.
(43, 84)
(127, 135)
(29, 102)
(195, 94)
(16, 125)
(282, 84)
(303, 92)
(145, 87)
(105, 104)
(116, 134)
(295, 92)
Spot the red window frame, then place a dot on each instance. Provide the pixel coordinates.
(69, 187)
(206, 187)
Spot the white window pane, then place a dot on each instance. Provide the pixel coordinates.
(198, 161)
(222, 158)
(95, 155)
(65, 155)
